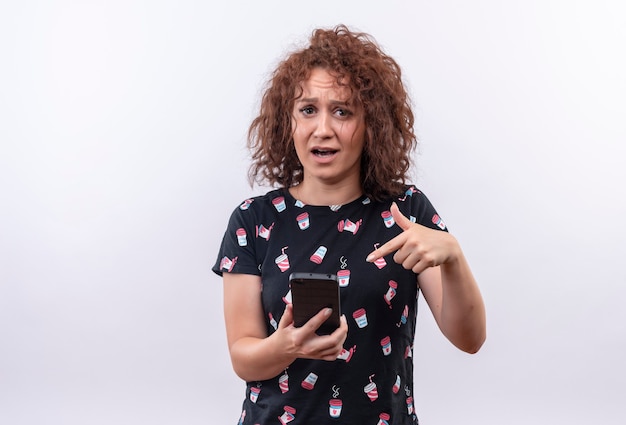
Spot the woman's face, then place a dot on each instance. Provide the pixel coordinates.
(329, 134)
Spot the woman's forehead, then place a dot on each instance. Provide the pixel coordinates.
(322, 79)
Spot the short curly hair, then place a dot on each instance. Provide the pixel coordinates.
(375, 82)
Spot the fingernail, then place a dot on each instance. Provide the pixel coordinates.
(369, 258)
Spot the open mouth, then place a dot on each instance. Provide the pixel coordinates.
(323, 152)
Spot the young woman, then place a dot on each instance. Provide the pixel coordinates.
(334, 136)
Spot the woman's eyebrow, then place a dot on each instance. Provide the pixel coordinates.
(315, 99)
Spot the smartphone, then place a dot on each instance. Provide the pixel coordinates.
(312, 292)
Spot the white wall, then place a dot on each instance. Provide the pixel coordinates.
(122, 129)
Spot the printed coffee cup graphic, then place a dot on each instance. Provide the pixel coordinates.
(241, 237)
(383, 419)
(349, 226)
(409, 405)
(273, 321)
(346, 355)
(391, 292)
(388, 219)
(264, 232)
(279, 204)
(385, 343)
(380, 262)
(404, 317)
(282, 261)
(360, 317)
(396, 385)
(283, 382)
(334, 408)
(245, 205)
(254, 394)
(309, 381)
(438, 222)
(343, 276)
(319, 255)
(371, 390)
(288, 416)
(303, 221)
(287, 298)
(228, 264)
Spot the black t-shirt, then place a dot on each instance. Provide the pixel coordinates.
(371, 382)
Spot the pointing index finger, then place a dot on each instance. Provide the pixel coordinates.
(389, 247)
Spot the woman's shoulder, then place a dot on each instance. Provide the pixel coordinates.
(409, 192)
(416, 205)
(262, 201)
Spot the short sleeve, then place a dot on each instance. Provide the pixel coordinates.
(237, 253)
(416, 205)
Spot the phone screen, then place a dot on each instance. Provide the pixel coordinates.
(312, 292)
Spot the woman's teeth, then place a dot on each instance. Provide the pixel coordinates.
(320, 152)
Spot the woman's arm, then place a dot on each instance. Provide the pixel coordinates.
(444, 277)
(255, 355)
(455, 301)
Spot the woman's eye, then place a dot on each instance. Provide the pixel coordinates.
(307, 110)
(342, 112)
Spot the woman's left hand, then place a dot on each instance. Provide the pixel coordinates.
(417, 247)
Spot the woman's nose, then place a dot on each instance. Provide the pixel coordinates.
(323, 126)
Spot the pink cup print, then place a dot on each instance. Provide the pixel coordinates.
(241, 237)
(303, 221)
(360, 317)
(438, 221)
(287, 299)
(283, 383)
(254, 394)
(282, 261)
(385, 343)
(351, 226)
(391, 292)
(228, 264)
(409, 405)
(387, 219)
(404, 317)
(264, 232)
(383, 419)
(371, 391)
(273, 321)
(334, 408)
(344, 278)
(380, 263)
(279, 204)
(288, 416)
(245, 205)
(319, 255)
(346, 355)
(309, 381)
(396, 385)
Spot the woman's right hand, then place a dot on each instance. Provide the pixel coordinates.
(304, 342)
(254, 354)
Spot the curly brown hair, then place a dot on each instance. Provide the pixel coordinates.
(375, 82)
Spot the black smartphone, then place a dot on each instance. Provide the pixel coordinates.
(312, 292)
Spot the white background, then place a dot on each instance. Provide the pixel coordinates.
(122, 154)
